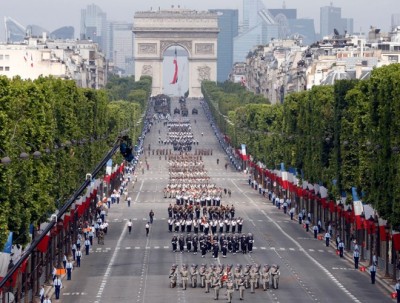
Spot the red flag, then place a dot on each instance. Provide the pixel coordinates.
(44, 243)
(175, 79)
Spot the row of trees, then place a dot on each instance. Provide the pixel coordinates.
(343, 136)
(71, 127)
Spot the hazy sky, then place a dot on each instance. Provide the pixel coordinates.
(52, 14)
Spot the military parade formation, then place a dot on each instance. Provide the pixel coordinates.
(217, 277)
(202, 223)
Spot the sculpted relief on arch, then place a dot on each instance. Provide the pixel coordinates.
(204, 73)
(147, 70)
(164, 44)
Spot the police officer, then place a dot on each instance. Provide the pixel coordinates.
(73, 251)
(356, 256)
(397, 289)
(372, 270)
(78, 258)
(69, 268)
(315, 230)
(57, 285)
(87, 246)
(327, 238)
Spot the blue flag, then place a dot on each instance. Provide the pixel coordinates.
(8, 245)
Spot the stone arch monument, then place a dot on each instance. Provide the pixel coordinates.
(196, 32)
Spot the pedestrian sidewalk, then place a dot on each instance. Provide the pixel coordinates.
(387, 283)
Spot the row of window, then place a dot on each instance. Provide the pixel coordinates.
(4, 57)
(4, 68)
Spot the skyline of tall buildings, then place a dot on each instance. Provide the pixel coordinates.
(258, 26)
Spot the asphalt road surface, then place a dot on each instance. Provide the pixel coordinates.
(134, 268)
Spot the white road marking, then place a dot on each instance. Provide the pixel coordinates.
(327, 272)
(110, 264)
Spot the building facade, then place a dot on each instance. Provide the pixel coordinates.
(80, 61)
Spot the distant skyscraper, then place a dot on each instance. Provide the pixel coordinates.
(250, 13)
(121, 46)
(331, 18)
(228, 23)
(94, 26)
(15, 32)
(395, 20)
(36, 31)
(65, 32)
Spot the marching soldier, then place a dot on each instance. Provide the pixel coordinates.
(229, 290)
(170, 224)
(215, 250)
(184, 276)
(216, 284)
(193, 275)
(203, 246)
(253, 279)
(173, 276)
(224, 247)
(237, 276)
(195, 244)
(202, 274)
(265, 276)
(275, 273)
(189, 243)
(208, 276)
(181, 242)
(174, 243)
(246, 274)
(78, 258)
(241, 285)
(243, 244)
(250, 242)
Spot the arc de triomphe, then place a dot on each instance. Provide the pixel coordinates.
(156, 31)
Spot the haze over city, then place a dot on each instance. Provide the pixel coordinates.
(52, 14)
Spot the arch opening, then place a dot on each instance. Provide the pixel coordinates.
(175, 71)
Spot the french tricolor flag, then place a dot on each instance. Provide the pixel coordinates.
(358, 208)
(285, 177)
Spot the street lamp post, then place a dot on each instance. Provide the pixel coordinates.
(387, 230)
(348, 224)
(371, 227)
(362, 237)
